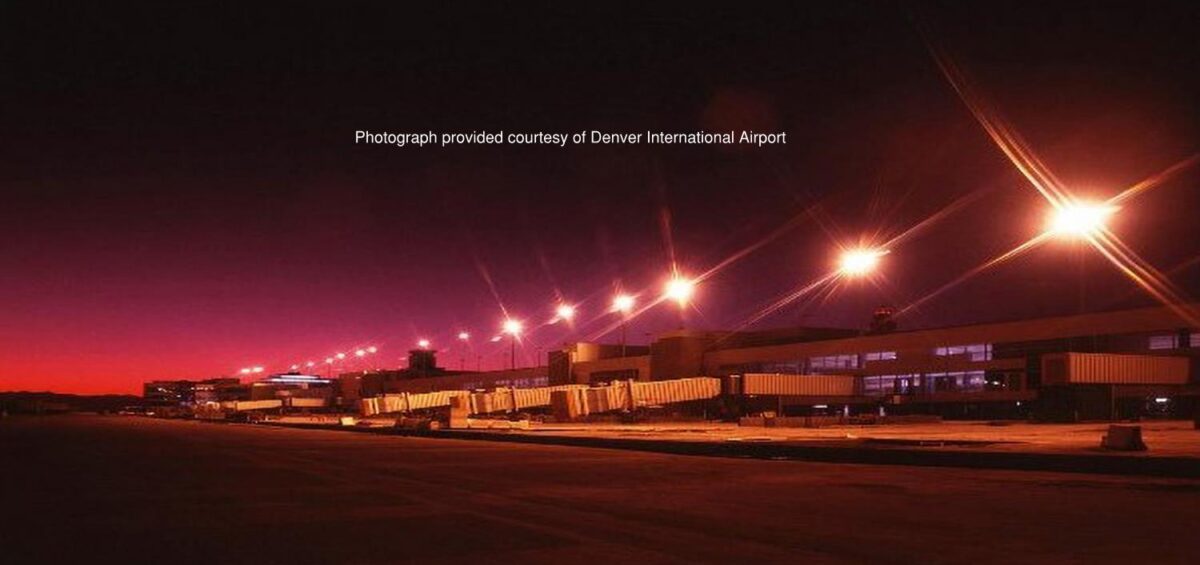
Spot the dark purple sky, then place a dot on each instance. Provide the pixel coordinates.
(183, 197)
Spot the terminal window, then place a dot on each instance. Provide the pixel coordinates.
(957, 381)
(974, 351)
(1170, 341)
(891, 384)
(834, 362)
(787, 368)
(879, 356)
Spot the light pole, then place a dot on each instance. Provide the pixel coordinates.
(623, 305)
(1080, 220)
(513, 329)
(680, 290)
(465, 338)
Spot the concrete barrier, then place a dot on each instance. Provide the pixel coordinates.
(1123, 438)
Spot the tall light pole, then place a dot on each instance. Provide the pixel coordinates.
(465, 338)
(563, 313)
(513, 329)
(623, 305)
(1080, 221)
(680, 290)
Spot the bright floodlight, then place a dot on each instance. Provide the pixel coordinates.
(372, 349)
(513, 327)
(245, 371)
(423, 344)
(340, 355)
(257, 370)
(1080, 219)
(565, 312)
(857, 262)
(680, 290)
(464, 336)
(329, 360)
(623, 303)
(310, 364)
(294, 367)
(496, 338)
(360, 352)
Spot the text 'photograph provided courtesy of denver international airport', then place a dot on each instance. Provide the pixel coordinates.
(838, 282)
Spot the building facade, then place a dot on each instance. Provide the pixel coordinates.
(995, 369)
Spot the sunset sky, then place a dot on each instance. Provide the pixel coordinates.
(183, 196)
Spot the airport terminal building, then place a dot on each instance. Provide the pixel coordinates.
(1108, 365)
(1105, 365)
(1091, 366)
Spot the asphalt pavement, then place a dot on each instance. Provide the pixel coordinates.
(114, 489)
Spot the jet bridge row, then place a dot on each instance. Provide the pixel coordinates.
(620, 395)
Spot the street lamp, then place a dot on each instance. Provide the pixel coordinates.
(860, 261)
(623, 304)
(329, 361)
(513, 329)
(423, 344)
(1079, 219)
(680, 290)
(565, 312)
(464, 337)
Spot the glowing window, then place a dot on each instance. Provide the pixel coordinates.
(974, 352)
(834, 362)
(879, 356)
(1170, 341)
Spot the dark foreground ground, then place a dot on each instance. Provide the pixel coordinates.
(120, 489)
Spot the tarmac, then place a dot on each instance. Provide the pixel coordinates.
(116, 489)
(1174, 446)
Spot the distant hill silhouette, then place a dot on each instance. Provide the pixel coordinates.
(26, 402)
